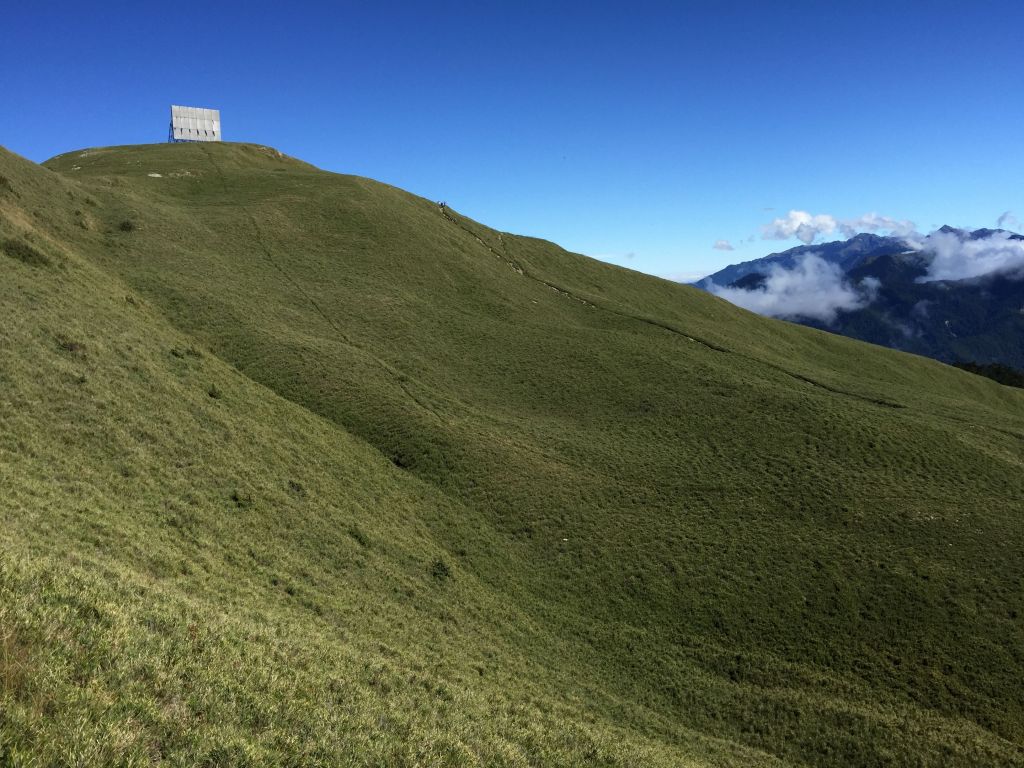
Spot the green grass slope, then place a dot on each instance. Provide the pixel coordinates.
(298, 467)
(196, 571)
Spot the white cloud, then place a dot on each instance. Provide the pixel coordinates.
(813, 288)
(808, 227)
(873, 222)
(956, 258)
(801, 225)
(723, 245)
(1007, 219)
(869, 288)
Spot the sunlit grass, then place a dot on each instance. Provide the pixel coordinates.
(297, 470)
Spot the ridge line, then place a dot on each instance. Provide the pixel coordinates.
(662, 325)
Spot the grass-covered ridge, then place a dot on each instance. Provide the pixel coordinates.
(296, 466)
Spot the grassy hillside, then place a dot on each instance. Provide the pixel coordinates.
(298, 467)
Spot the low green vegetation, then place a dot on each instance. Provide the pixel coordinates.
(300, 469)
(1004, 374)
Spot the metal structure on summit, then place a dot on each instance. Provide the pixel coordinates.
(193, 124)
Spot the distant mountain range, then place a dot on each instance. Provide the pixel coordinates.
(955, 295)
(846, 254)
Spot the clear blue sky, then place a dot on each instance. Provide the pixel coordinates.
(639, 133)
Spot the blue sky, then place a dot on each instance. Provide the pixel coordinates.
(639, 133)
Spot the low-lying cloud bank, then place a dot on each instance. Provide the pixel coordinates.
(813, 288)
(952, 257)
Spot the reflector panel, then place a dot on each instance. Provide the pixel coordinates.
(194, 124)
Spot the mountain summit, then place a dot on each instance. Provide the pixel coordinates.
(846, 254)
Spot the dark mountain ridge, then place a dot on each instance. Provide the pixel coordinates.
(977, 319)
(847, 254)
